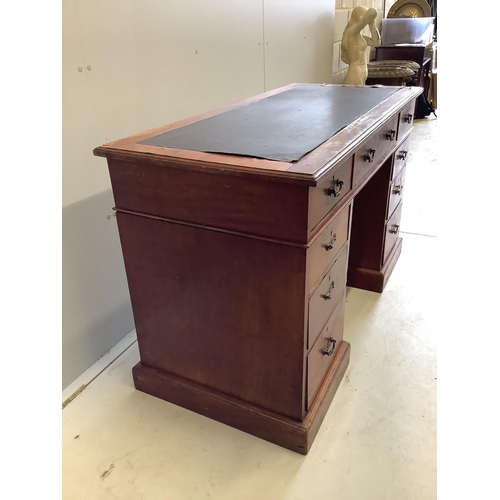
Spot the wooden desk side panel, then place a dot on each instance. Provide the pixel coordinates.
(250, 206)
(221, 310)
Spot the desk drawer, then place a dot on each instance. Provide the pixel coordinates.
(326, 296)
(400, 158)
(323, 351)
(406, 119)
(370, 155)
(324, 197)
(396, 193)
(322, 252)
(392, 230)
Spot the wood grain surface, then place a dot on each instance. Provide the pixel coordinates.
(221, 310)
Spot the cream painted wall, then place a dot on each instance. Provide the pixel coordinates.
(196, 55)
(298, 41)
(131, 65)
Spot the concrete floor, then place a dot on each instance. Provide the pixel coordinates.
(377, 442)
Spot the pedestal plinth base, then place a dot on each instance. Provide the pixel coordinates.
(294, 435)
(369, 279)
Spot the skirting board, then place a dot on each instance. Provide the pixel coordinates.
(99, 366)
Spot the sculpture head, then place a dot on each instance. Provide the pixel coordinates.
(357, 14)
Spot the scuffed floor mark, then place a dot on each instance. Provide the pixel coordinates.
(133, 451)
(106, 473)
(77, 436)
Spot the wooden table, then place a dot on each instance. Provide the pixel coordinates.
(237, 266)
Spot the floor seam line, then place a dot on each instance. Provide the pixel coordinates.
(419, 234)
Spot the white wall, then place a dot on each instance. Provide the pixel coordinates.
(131, 65)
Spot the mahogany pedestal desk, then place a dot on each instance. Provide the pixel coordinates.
(240, 229)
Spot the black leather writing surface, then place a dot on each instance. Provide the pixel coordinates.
(282, 127)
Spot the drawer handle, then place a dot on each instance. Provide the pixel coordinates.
(398, 190)
(336, 188)
(408, 118)
(329, 245)
(402, 155)
(330, 346)
(328, 294)
(390, 135)
(395, 229)
(369, 156)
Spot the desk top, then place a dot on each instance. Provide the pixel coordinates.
(282, 127)
(295, 133)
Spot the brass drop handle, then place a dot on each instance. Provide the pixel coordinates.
(395, 229)
(329, 245)
(402, 155)
(330, 346)
(328, 294)
(390, 135)
(408, 118)
(336, 188)
(369, 156)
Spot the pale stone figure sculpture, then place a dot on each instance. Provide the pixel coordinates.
(354, 44)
